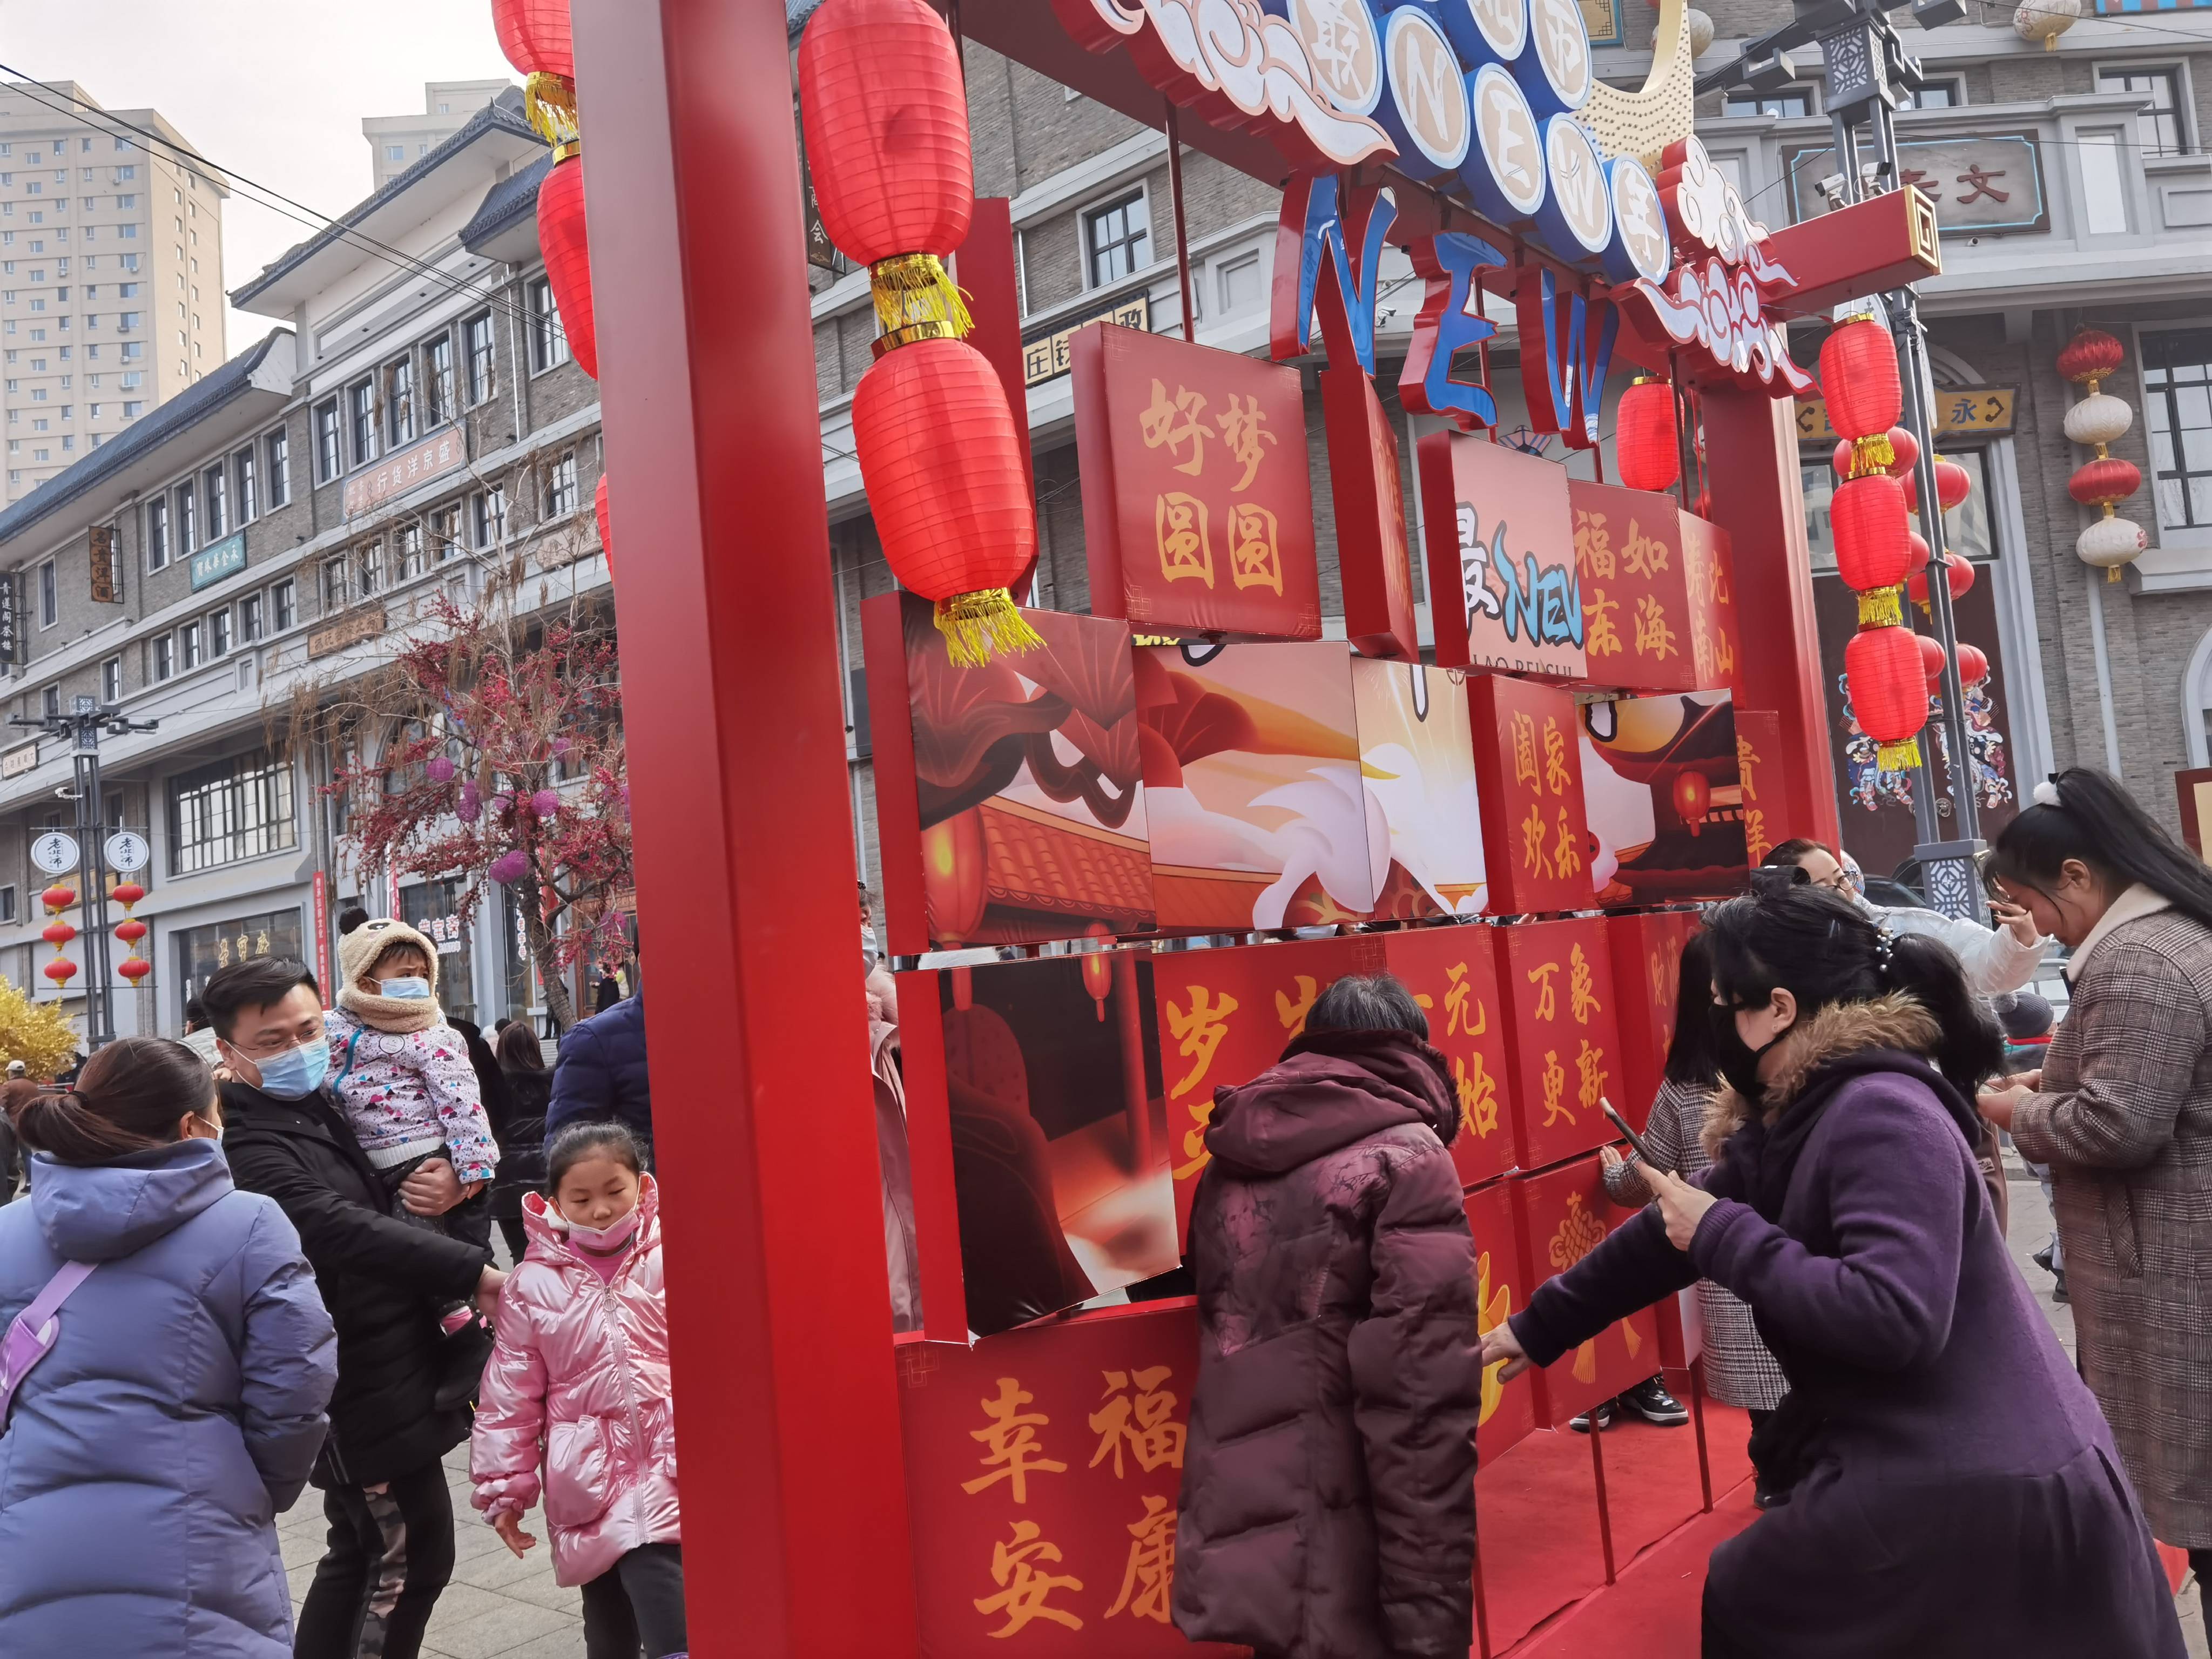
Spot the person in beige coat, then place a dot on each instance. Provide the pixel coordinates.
(2122, 1112)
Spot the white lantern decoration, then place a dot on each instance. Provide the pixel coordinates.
(2111, 543)
(2098, 419)
(2045, 20)
(1701, 32)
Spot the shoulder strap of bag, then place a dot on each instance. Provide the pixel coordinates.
(32, 1334)
(352, 1042)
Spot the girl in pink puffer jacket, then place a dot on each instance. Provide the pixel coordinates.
(575, 1402)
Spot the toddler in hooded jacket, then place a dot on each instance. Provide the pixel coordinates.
(576, 1407)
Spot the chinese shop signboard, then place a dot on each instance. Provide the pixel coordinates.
(1197, 500)
(1536, 833)
(1982, 184)
(1500, 539)
(1453, 974)
(1010, 798)
(1565, 1215)
(1563, 1044)
(1043, 1471)
(1647, 960)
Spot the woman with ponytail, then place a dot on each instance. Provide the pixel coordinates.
(1952, 1489)
(175, 1408)
(2121, 1111)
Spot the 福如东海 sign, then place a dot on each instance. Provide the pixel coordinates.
(401, 470)
(1985, 184)
(1048, 356)
(218, 560)
(1501, 539)
(1962, 411)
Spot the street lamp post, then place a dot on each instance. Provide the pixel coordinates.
(1866, 62)
(82, 726)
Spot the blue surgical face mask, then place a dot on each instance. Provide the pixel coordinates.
(406, 989)
(295, 1073)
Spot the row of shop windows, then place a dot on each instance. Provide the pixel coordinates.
(2160, 130)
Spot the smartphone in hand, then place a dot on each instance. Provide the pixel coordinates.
(1635, 1140)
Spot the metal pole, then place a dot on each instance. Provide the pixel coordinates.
(92, 872)
(1182, 227)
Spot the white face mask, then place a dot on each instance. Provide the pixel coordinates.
(406, 990)
(609, 1238)
(868, 951)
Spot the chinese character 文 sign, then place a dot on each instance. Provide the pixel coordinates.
(1982, 184)
(1500, 537)
(401, 470)
(1197, 500)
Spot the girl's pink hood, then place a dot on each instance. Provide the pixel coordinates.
(581, 1366)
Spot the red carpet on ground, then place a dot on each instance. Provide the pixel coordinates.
(1653, 1611)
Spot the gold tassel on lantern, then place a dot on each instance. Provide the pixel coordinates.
(1872, 454)
(976, 624)
(550, 103)
(1898, 756)
(1879, 607)
(913, 288)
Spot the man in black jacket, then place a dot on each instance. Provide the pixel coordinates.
(391, 1547)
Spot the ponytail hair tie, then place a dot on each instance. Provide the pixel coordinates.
(2046, 792)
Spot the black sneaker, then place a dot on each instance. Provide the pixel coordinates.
(1606, 1412)
(2059, 1290)
(1650, 1401)
(2042, 1259)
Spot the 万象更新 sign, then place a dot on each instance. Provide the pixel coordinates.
(218, 560)
(401, 470)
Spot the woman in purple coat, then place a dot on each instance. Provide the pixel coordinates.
(1954, 1490)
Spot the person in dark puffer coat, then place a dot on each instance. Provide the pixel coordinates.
(1327, 1508)
(599, 1074)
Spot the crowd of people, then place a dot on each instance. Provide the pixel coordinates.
(233, 1280)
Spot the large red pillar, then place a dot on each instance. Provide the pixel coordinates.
(1759, 498)
(795, 1520)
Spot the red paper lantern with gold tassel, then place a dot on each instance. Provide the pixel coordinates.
(1872, 551)
(1959, 576)
(885, 115)
(536, 37)
(1973, 664)
(563, 240)
(1646, 439)
(1889, 693)
(1858, 377)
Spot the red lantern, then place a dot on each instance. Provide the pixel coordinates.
(1099, 974)
(606, 536)
(57, 933)
(1869, 516)
(1931, 658)
(134, 969)
(130, 930)
(61, 970)
(126, 893)
(1917, 555)
(1693, 796)
(1858, 375)
(1953, 483)
(885, 113)
(1646, 441)
(2100, 482)
(1889, 693)
(937, 449)
(1902, 447)
(59, 897)
(1973, 664)
(535, 35)
(2091, 355)
(562, 238)
(1960, 576)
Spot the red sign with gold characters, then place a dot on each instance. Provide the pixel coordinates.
(1637, 626)
(1565, 1215)
(1528, 773)
(1563, 1040)
(1709, 562)
(1371, 550)
(1757, 758)
(1647, 953)
(1453, 974)
(1043, 1471)
(1197, 500)
(1225, 1016)
(1501, 1289)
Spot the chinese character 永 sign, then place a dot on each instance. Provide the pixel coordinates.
(1967, 411)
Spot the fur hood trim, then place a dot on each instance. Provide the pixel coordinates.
(1894, 1021)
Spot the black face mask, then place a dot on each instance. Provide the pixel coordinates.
(1736, 1059)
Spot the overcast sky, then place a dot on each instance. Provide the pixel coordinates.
(273, 89)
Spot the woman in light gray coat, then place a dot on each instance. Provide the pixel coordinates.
(147, 1453)
(2122, 1112)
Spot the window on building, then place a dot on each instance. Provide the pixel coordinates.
(438, 382)
(186, 517)
(8, 902)
(361, 407)
(487, 516)
(328, 462)
(246, 482)
(407, 552)
(218, 624)
(2177, 377)
(284, 604)
(111, 680)
(1789, 101)
(50, 703)
(398, 403)
(2160, 130)
(50, 595)
(250, 615)
(201, 952)
(560, 489)
(165, 662)
(395, 152)
(189, 644)
(445, 533)
(548, 341)
(370, 571)
(157, 534)
(217, 492)
(476, 342)
(1936, 94)
(277, 462)
(1117, 239)
(334, 585)
(235, 809)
